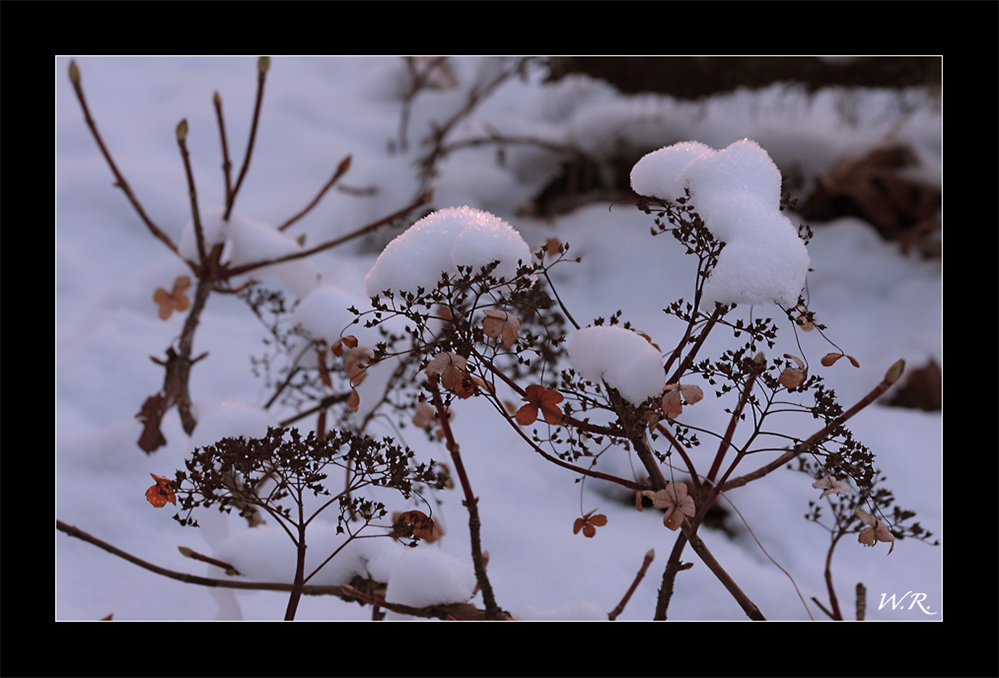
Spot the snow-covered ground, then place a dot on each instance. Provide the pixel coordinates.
(878, 305)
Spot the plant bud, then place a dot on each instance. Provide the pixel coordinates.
(74, 72)
(263, 63)
(182, 130)
(894, 372)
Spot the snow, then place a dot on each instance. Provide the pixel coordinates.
(323, 312)
(248, 241)
(440, 243)
(879, 305)
(428, 575)
(589, 610)
(623, 359)
(265, 553)
(737, 192)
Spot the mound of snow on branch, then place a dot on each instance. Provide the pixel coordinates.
(736, 191)
(427, 576)
(624, 360)
(440, 243)
(250, 242)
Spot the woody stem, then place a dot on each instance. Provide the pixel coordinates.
(471, 504)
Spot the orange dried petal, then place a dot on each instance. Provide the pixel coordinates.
(527, 415)
(162, 492)
(421, 525)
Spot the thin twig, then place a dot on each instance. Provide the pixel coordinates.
(734, 420)
(649, 556)
(817, 437)
(340, 171)
(689, 360)
(74, 77)
(263, 63)
(191, 190)
(226, 162)
(194, 555)
(191, 578)
(454, 610)
(747, 605)
(364, 230)
(471, 504)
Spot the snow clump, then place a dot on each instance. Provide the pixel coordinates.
(442, 241)
(248, 242)
(625, 360)
(736, 191)
(428, 575)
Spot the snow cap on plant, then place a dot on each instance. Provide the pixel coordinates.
(440, 243)
(737, 192)
(623, 359)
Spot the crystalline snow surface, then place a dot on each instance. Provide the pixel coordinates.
(737, 193)
(442, 241)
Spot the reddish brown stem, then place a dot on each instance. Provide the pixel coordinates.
(226, 162)
(649, 556)
(364, 230)
(262, 65)
(815, 439)
(340, 171)
(733, 422)
(296, 591)
(74, 76)
(471, 504)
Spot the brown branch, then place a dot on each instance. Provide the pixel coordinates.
(451, 611)
(191, 578)
(364, 230)
(191, 190)
(74, 77)
(726, 441)
(340, 171)
(701, 550)
(347, 592)
(689, 360)
(263, 63)
(226, 162)
(673, 566)
(649, 556)
(683, 453)
(893, 375)
(471, 504)
(636, 434)
(194, 555)
(833, 600)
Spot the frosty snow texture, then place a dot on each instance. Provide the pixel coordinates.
(736, 191)
(442, 241)
(623, 359)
